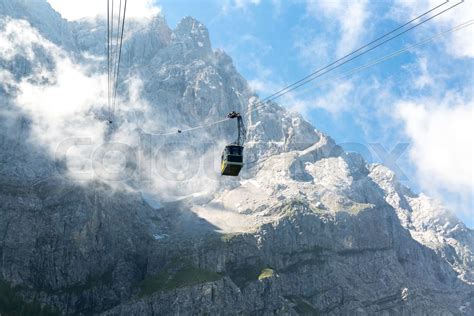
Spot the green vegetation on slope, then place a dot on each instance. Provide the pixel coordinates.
(168, 280)
(12, 304)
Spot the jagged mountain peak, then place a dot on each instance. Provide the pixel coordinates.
(429, 222)
(193, 35)
(191, 27)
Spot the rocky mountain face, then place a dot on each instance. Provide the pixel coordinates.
(306, 230)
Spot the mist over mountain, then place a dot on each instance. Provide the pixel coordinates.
(155, 230)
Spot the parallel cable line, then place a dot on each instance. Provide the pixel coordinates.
(354, 51)
(114, 53)
(395, 54)
(119, 56)
(356, 56)
(108, 58)
(115, 58)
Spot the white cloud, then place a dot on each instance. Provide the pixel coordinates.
(422, 75)
(312, 50)
(277, 7)
(53, 95)
(266, 83)
(361, 95)
(459, 44)
(80, 9)
(350, 20)
(424, 79)
(244, 5)
(338, 97)
(17, 38)
(65, 102)
(442, 135)
(62, 98)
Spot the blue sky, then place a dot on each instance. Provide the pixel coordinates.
(421, 100)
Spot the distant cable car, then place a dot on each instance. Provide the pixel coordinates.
(232, 159)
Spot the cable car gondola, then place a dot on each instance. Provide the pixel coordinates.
(232, 159)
